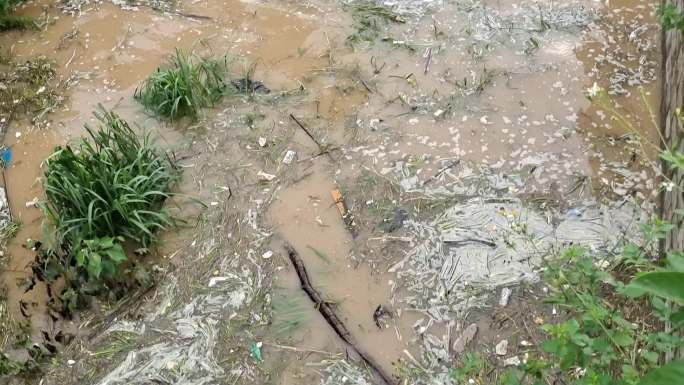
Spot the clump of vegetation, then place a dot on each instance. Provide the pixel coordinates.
(10, 21)
(184, 86)
(611, 336)
(369, 20)
(671, 17)
(27, 88)
(107, 191)
(476, 368)
(477, 82)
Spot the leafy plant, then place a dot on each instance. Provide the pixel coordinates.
(100, 256)
(475, 368)
(185, 85)
(671, 17)
(607, 337)
(470, 365)
(8, 366)
(672, 373)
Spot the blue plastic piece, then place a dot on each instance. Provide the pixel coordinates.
(6, 156)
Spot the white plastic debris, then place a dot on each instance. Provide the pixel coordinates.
(265, 176)
(505, 296)
(267, 254)
(512, 361)
(289, 156)
(501, 348)
(215, 280)
(262, 142)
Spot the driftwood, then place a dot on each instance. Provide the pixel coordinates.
(331, 317)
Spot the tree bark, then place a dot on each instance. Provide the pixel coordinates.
(672, 94)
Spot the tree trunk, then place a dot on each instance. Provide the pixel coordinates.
(672, 93)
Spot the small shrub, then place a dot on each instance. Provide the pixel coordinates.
(606, 336)
(185, 85)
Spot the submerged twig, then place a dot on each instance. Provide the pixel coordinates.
(330, 316)
(429, 59)
(322, 148)
(298, 350)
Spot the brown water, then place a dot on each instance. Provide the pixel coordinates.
(530, 106)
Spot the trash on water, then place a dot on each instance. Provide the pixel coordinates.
(505, 296)
(265, 176)
(501, 348)
(289, 157)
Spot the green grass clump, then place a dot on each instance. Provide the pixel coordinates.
(111, 186)
(8, 20)
(185, 85)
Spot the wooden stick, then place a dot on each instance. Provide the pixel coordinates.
(330, 316)
(308, 133)
(347, 217)
(298, 350)
(322, 149)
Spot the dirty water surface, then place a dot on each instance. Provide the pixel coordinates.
(418, 163)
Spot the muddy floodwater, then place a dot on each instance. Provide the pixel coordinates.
(459, 135)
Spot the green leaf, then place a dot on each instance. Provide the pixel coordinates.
(623, 338)
(667, 284)
(675, 260)
(81, 257)
(116, 254)
(670, 374)
(629, 373)
(95, 265)
(674, 158)
(656, 229)
(677, 318)
(632, 253)
(650, 356)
